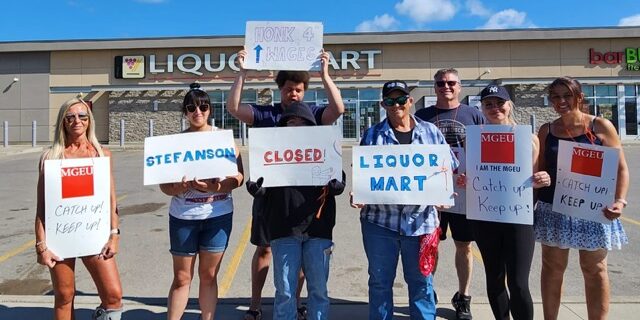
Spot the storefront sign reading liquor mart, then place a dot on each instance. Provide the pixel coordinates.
(199, 64)
(630, 56)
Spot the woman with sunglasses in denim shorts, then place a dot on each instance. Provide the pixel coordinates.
(200, 217)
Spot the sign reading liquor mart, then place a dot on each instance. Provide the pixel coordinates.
(630, 56)
(198, 64)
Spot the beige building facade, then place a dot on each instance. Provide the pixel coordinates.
(37, 77)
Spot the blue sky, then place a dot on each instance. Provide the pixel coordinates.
(103, 19)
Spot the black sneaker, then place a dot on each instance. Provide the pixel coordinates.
(462, 304)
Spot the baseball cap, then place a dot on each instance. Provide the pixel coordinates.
(493, 90)
(393, 85)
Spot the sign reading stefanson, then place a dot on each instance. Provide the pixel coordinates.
(630, 56)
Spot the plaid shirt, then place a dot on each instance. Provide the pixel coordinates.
(408, 220)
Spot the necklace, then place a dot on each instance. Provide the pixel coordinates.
(455, 114)
(587, 131)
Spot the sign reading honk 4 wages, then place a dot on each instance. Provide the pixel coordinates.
(586, 180)
(77, 206)
(499, 170)
(280, 45)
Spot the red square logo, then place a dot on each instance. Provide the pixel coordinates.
(77, 182)
(587, 162)
(497, 148)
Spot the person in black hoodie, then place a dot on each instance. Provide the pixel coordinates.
(301, 221)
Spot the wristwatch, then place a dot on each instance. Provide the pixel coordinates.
(115, 231)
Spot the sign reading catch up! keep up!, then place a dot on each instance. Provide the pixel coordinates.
(280, 45)
(410, 174)
(295, 156)
(586, 180)
(77, 206)
(499, 174)
(201, 155)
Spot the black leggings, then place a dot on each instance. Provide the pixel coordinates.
(507, 247)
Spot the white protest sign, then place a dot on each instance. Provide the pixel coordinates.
(418, 174)
(202, 155)
(282, 45)
(585, 180)
(499, 173)
(296, 156)
(77, 206)
(461, 203)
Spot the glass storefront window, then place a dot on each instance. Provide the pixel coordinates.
(606, 91)
(629, 91)
(631, 115)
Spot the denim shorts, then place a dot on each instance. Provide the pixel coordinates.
(187, 237)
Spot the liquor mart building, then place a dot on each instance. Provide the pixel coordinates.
(139, 80)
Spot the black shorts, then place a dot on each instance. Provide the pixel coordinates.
(460, 227)
(259, 227)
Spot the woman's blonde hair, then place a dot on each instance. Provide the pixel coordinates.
(60, 136)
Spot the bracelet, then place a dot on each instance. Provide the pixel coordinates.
(115, 231)
(41, 251)
(38, 243)
(623, 201)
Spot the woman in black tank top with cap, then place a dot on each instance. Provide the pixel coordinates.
(558, 232)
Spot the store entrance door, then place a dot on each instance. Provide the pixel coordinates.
(629, 107)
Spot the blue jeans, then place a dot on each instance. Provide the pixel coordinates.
(312, 255)
(383, 247)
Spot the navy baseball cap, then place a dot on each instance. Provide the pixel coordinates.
(394, 85)
(493, 90)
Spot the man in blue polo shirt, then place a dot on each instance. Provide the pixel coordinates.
(292, 86)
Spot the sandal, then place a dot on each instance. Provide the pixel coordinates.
(302, 313)
(253, 315)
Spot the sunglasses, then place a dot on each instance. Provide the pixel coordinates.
(70, 117)
(390, 102)
(440, 84)
(192, 108)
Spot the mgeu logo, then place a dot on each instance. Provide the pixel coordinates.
(77, 181)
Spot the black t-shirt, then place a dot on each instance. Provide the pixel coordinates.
(452, 122)
(403, 137)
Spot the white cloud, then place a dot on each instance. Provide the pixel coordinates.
(422, 11)
(630, 21)
(507, 19)
(384, 22)
(476, 8)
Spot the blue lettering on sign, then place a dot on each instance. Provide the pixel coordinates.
(405, 160)
(390, 183)
(190, 155)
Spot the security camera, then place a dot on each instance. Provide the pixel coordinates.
(487, 71)
(16, 79)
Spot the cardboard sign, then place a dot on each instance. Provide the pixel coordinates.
(499, 174)
(281, 45)
(201, 155)
(586, 180)
(295, 156)
(77, 205)
(460, 200)
(418, 174)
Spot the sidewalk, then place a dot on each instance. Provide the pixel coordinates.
(140, 308)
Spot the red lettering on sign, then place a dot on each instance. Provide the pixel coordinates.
(293, 156)
(587, 162)
(77, 182)
(497, 148)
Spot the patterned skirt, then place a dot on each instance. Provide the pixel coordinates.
(558, 230)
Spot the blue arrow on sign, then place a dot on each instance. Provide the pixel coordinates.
(258, 48)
